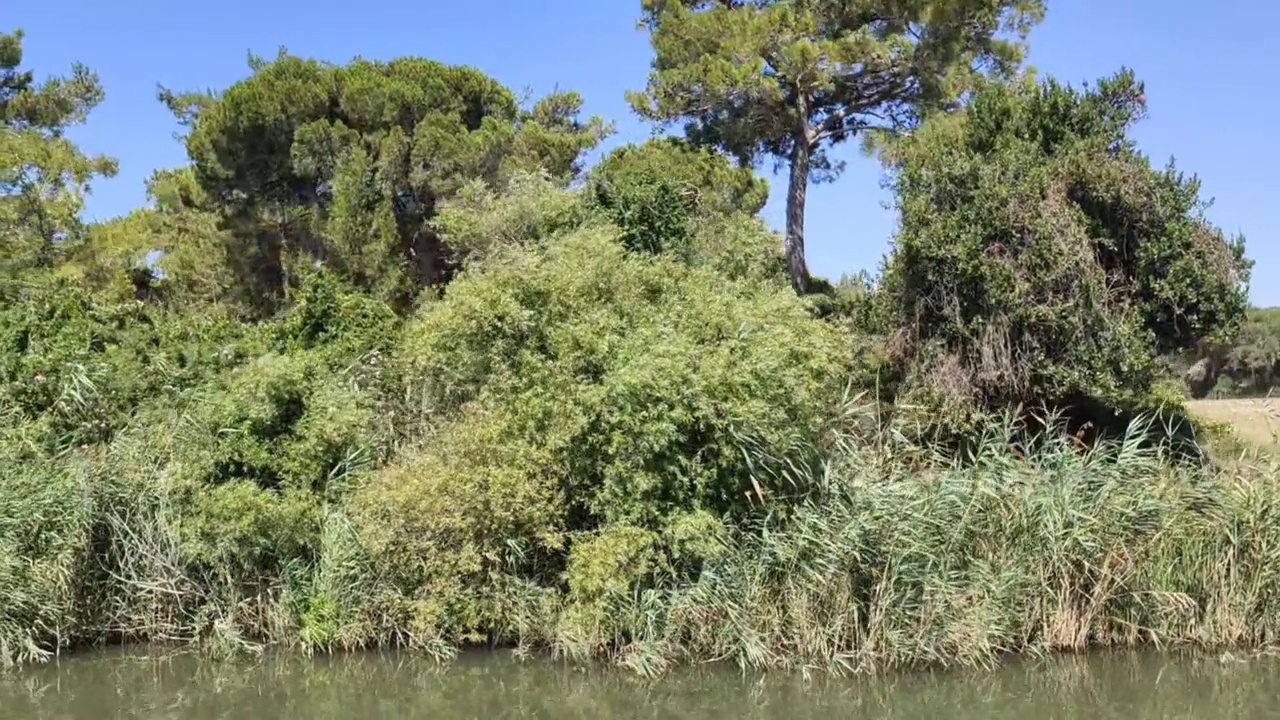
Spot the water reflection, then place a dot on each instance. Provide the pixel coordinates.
(183, 687)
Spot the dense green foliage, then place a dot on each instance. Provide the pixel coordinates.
(787, 79)
(387, 363)
(1042, 259)
(347, 165)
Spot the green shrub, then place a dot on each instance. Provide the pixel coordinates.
(579, 388)
(72, 364)
(653, 372)
(80, 367)
(260, 452)
(444, 524)
(739, 246)
(1041, 258)
(529, 211)
(704, 182)
(329, 315)
(611, 561)
(665, 195)
(649, 214)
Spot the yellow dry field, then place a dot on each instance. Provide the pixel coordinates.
(1256, 421)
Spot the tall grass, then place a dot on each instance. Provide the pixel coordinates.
(45, 518)
(897, 555)
(1015, 548)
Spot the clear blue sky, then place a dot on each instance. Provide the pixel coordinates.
(1208, 70)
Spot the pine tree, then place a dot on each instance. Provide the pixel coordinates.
(790, 78)
(43, 175)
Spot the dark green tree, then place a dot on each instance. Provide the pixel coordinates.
(346, 165)
(1043, 259)
(656, 191)
(788, 79)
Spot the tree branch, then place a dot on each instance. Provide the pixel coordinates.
(845, 120)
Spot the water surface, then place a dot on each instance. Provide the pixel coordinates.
(122, 684)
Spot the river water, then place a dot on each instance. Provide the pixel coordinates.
(492, 686)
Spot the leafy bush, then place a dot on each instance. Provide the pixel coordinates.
(643, 208)
(649, 213)
(530, 210)
(263, 446)
(704, 181)
(443, 525)
(653, 368)
(1042, 259)
(656, 191)
(74, 366)
(581, 387)
(79, 367)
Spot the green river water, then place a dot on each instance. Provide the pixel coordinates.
(492, 686)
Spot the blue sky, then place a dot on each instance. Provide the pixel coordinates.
(1207, 70)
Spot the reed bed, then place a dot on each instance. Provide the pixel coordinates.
(898, 555)
(1014, 548)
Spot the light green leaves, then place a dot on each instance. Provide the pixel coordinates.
(43, 176)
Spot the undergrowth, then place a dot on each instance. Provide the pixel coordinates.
(900, 555)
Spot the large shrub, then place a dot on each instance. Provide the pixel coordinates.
(704, 181)
(1041, 258)
(655, 365)
(69, 364)
(581, 387)
(78, 365)
(260, 447)
(667, 196)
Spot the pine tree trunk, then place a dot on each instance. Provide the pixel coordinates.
(797, 190)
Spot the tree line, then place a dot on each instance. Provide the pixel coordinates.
(387, 361)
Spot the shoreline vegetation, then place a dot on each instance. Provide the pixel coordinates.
(898, 558)
(387, 364)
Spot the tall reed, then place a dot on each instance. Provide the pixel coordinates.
(896, 554)
(1017, 547)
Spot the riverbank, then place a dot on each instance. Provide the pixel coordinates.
(961, 564)
(895, 559)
